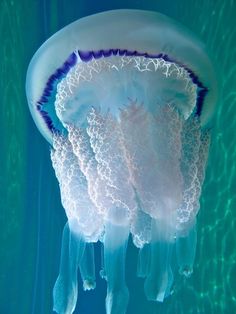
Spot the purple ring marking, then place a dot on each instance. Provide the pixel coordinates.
(87, 56)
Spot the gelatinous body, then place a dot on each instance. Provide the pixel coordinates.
(125, 99)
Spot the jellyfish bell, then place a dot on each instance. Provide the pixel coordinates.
(139, 32)
(125, 99)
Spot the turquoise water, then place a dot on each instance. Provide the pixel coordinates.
(32, 217)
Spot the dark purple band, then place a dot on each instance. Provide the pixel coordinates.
(87, 56)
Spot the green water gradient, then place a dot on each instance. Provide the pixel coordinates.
(31, 216)
(13, 144)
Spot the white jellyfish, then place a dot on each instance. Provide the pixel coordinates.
(125, 99)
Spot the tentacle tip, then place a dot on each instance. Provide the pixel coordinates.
(186, 271)
(89, 284)
(102, 274)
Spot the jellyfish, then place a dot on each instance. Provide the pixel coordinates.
(125, 100)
